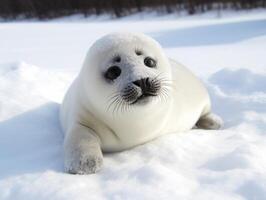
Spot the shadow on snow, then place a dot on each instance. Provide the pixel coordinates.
(211, 34)
(31, 142)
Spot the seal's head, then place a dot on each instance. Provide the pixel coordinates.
(126, 70)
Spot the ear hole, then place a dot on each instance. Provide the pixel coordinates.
(138, 52)
(117, 59)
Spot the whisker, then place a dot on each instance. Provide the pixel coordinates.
(113, 99)
(115, 106)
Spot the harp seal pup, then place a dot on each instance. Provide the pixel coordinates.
(128, 93)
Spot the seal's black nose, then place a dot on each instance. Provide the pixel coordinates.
(144, 84)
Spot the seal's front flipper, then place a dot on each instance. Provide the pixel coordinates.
(83, 153)
(210, 121)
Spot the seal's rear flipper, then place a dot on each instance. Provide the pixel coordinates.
(210, 121)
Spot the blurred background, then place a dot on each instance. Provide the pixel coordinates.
(43, 9)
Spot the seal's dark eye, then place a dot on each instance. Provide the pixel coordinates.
(149, 62)
(112, 73)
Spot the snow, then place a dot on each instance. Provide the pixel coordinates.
(38, 61)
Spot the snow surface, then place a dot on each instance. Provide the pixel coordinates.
(38, 61)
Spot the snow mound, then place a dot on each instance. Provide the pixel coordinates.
(241, 81)
(238, 94)
(224, 164)
(20, 83)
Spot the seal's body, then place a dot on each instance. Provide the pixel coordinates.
(127, 93)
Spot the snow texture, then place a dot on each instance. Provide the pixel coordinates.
(38, 61)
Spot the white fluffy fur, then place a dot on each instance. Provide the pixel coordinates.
(90, 124)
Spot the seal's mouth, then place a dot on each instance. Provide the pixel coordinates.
(143, 98)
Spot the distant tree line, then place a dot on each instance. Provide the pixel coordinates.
(45, 9)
